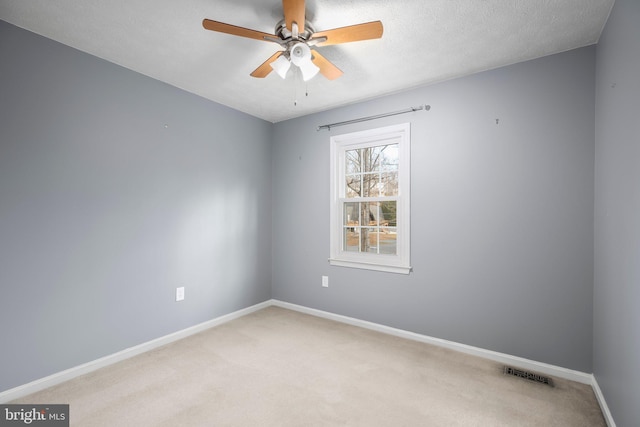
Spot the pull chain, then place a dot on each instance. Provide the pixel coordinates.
(298, 82)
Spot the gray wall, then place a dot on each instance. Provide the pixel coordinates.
(617, 213)
(104, 210)
(502, 214)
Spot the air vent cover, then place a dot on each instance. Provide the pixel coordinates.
(531, 376)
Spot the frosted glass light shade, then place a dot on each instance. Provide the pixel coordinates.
(281, 66)
(309, 70)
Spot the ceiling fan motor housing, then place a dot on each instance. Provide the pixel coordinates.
(287, 36)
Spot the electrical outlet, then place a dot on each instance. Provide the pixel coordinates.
(180, 293)
(325, 281)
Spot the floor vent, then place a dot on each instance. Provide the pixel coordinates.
(531, 376)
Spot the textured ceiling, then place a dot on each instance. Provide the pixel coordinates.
(423, 42)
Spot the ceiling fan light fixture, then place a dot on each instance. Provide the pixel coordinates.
(308, 69)
(300, 53)
(281, 66)
(295, 35)
(301, 57)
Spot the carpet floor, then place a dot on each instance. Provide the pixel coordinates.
(277, 367)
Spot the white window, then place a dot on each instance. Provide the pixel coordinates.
(370, 199)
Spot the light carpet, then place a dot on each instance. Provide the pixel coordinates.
(277, 367)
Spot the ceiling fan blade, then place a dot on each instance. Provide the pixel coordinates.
(352, 33)
(327, 68)
(294, 12)
(221, 27)
(264, 69)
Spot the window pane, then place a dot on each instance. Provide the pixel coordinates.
(388, 185)
(377, 213)
(377, 157)
(388, 241)
(372, 240)
(351, 239)
(388, 214)
(351, 214)
(353, 186)
(370, 159)
(370, 184)
(389, 158)
(369, 214)
(353, 161)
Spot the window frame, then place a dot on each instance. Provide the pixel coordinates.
(339, 144)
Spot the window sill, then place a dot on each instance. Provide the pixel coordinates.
(370, 266)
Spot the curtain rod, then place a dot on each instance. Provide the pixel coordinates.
(378, 116)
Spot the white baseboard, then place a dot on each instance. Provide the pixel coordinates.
(603, 404)
(59, 377)
(543, 368)
(531, 365)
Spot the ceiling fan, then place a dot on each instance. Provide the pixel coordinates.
(296, 36)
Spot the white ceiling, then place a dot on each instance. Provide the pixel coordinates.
(424, 41)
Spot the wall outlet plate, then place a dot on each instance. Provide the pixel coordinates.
(325, 281)
(180, 293)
